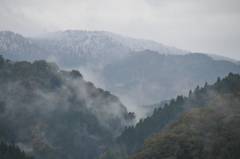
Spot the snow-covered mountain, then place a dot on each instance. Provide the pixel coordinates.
(223, 58)
(101, 44)
(138, 71)
(16, 44)
(74, 46)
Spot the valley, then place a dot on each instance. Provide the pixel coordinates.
(96, 94)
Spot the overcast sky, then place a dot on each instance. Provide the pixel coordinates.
(207, 26)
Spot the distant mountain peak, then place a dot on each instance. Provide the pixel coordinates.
(223, 58)
(80, 46)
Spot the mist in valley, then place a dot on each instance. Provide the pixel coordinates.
(119, 79)
(82, 102)
(44, 108)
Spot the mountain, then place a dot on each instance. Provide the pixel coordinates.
(16, 47)
(138, 71)
(52, 113)
(185, 126)
(211, 131)
(149, 77)
(223, 58)
(73, 47)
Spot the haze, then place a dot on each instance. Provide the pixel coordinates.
(198, 26)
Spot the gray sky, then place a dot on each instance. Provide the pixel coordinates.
(207, 26)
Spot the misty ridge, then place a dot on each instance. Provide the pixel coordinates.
(203, 124)
(43, 107)
(49, 110)
(139, 72)
(205, 132)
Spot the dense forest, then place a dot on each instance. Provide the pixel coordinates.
(135, 70)
(208, 132)
(8, 151)
(51, 113)
(132, 138)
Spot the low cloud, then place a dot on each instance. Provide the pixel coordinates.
(198, 26)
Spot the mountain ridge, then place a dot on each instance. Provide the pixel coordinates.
(52, 113)
(96, 53)
(80, 45)
(154, 77)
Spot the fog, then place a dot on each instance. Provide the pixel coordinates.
(87, 114)
(198, 26)
(39, 115)
(93, 73)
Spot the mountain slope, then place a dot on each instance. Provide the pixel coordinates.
(51, 113)
(73, 47)
(132, 138)
(121, 64)
(149, 77)
(211, 131)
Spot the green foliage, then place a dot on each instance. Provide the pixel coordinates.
(75, 74)
(132, 138)
(55, 113)
(211, 131)
(8, 151)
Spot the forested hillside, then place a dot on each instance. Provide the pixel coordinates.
(51, 113)
(132, 138)
(208, 132)
(138, 71)
(149, 77)
(12, 152)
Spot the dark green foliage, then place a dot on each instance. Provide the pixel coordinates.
(1, 61)
(209, 132)
(75, 74)
(12, 152)
(132, 138)
(55, 113)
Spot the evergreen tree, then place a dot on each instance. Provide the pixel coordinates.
(12, 152)
(162, 116)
